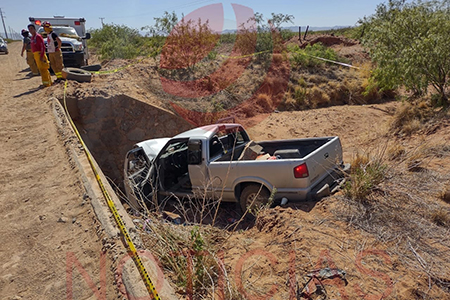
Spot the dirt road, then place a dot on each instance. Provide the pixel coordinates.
(47, 226)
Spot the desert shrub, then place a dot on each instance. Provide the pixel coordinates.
(174, 245)
(116, 41)
(212, 55)
(367, 172)
(317, 97)
(259, 35)
(264, 101)
(227, 38)
(410, 117)
(409, 42)
(306, 57)
(188, 43)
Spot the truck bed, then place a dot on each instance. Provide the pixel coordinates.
(304, 147)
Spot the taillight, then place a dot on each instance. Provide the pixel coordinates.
(37, 22)
(301, 171)
(77, 23)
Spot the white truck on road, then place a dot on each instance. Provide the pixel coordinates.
(220, 161)
(72, 32)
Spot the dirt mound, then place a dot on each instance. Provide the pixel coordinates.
(326, 40)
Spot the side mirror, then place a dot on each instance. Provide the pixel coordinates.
(195, 152)
(88, 36)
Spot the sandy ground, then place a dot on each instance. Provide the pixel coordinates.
(47, 226)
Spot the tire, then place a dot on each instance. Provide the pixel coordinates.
(249, 193)
(91, 68)
(76, 74)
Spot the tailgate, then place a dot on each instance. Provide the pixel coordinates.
(323, 160)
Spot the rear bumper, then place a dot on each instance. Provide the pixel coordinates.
(328, 185)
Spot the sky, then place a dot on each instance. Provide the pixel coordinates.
(139, 13)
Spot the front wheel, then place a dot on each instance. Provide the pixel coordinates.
(253, 198)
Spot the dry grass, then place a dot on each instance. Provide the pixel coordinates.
(396, 152)
(441, 217)
(367, 172)
(445, 195)
(402, 212)
(411, 117)
(329, 85)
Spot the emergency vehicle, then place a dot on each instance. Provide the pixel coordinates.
(73, 35)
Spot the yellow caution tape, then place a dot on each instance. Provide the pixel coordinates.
(132, 249)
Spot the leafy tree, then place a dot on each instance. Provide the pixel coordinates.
(163, 25)
(247, 33)
(187, 44)
(410, 44)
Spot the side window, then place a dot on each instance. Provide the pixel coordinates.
(216, 147)
(195, 152)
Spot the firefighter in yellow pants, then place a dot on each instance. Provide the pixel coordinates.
(54, 50)
(38, 48)
(32, 63)
(27, 47)
(43, 65)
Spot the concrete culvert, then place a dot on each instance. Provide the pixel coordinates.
(111, 126)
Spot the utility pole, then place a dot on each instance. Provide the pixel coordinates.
(102, 21)
(4, 27)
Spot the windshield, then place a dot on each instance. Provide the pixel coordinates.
(1, 41)
(61, 31)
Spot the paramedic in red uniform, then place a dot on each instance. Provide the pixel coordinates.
(38, 48)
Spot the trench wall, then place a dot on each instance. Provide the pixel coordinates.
(110, 127)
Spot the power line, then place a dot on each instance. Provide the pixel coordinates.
(4, 27)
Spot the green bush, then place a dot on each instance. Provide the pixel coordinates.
(409, 43)
(306, 57)
(117, 41)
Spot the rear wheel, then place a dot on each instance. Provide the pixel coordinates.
(253, 198)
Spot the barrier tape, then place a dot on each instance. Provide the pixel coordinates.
(132, 249)
(334, 62)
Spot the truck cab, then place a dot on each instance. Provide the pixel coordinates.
(72, 33)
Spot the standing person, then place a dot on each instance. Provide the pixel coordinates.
(38, 48)
(54, 51)
(27, 46)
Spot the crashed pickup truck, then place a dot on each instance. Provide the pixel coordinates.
(221, 162)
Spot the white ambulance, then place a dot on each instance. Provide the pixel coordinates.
(72, 32)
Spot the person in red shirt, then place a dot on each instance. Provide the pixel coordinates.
(38, 48)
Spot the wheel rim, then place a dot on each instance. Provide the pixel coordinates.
(255, 200)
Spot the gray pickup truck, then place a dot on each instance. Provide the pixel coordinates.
(221, 162)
